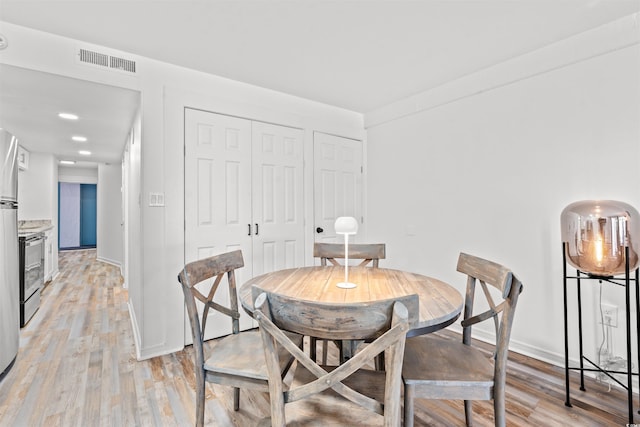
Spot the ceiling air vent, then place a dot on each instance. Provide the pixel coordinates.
(94, 58)
(107, 61)
(122, 64)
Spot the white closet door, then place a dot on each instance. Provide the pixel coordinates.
(337, 183)
(277, 198)
(218, 199)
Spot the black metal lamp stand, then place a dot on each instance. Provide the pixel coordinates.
(620, 281)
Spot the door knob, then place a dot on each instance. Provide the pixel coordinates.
(319, 230)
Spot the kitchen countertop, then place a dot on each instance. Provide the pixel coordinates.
(29, 227)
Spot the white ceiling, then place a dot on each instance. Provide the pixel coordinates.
(354, 54)
(31, 100)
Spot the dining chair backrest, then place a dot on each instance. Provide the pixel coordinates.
(490, 274)
(389, 320)
(337, 321)
(208, 273)
(368, 253)
(216, 268)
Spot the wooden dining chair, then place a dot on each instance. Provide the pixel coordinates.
(237, 359)
(368, 254)
(439, 368)
(376, 391)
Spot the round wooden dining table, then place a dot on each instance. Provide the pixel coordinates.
(439, 304)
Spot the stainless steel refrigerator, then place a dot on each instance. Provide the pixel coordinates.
(9, 263)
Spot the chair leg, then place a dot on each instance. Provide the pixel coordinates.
(200, 394)
(276, 403)
(408, 405)
(312, 348)
(468, 412)
(347, 349)
(236, 399)
(499, 410)
(325, 350)
(379, 362)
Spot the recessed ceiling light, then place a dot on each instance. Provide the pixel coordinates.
(78, 138)
(68, 116)
(67, 162)
(84, 152)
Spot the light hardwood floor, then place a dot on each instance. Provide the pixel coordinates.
(77, 367)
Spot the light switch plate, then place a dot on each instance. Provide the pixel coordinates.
(156, 199)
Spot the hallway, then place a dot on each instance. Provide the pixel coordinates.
(77, 363)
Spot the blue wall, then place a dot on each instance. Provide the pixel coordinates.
(88, 214)
(77, 207)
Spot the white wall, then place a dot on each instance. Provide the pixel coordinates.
(156, 302)
(164, 251)
(488, 169)
(109, 214)
(69, 208)
(132, 234)
(38, 195)
(78, 175)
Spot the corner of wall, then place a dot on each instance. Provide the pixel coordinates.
(134, 329)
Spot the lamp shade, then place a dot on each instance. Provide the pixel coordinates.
(596, 233)
(346, 225)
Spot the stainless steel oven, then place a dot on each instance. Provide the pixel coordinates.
(31, 274)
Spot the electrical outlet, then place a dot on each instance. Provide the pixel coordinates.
(609, 315)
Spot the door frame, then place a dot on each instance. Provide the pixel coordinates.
(361, 220)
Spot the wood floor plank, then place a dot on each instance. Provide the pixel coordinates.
(76, 367)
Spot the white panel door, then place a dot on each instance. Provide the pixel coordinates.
(218, 200)
(278, 222)
(337, 183)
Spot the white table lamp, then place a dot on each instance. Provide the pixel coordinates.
(346, 225)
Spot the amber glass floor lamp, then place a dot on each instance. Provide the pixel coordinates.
(600, 239)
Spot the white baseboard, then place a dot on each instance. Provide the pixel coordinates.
(110, 261)
(147, 353)
(552, 358)
(152, 352)
(518, 347)
(134, 328)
